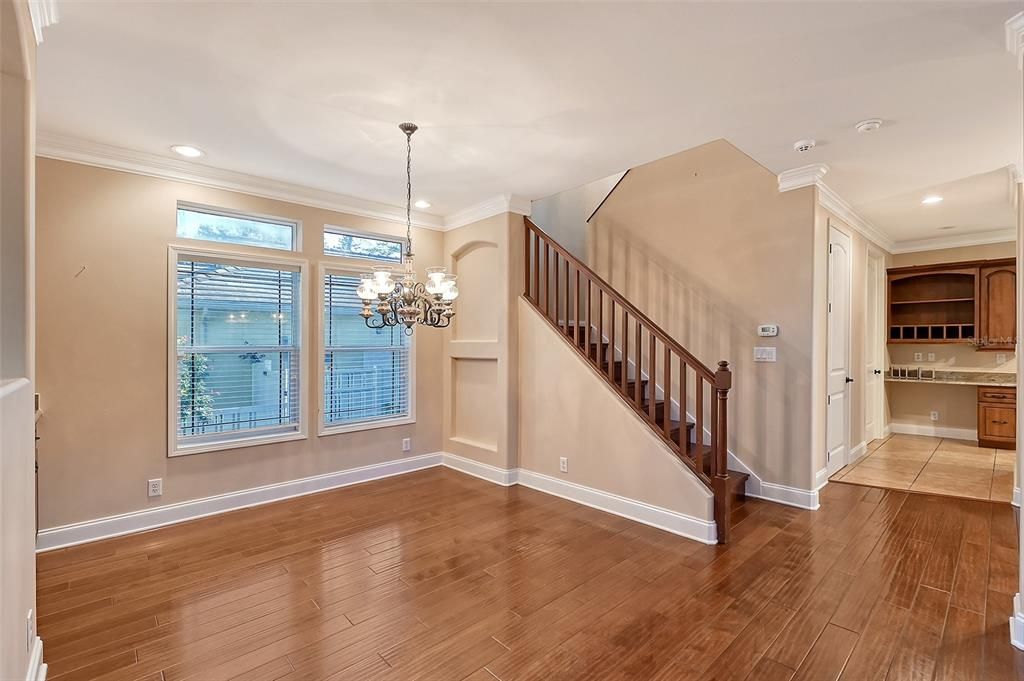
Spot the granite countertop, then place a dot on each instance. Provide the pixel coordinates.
(957, 377)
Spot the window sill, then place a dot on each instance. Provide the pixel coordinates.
(240, 443)
(366, 425)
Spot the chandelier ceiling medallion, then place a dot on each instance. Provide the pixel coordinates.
(407, 301)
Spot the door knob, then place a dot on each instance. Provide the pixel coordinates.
(849, 380)
(878, 372)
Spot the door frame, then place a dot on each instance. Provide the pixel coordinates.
(832, 468)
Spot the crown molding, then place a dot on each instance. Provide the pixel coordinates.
(804, 176)
(43, 13)
(832, 202)
(496, 205)
(153, 165)
(995, 236)
(1015, 38)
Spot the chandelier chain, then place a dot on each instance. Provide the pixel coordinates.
(408, 193)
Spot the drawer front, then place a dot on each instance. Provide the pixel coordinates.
(997, 395)
(997, 422)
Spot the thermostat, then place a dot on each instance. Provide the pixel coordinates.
(768, 330)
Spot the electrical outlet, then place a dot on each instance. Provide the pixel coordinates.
(931, 356)
(1000, 358)
(934, 416)
(918, 356)
(30, 631)
(156, 487)
(406, 444)
(563, 464)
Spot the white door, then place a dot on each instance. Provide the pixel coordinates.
(838, 426)
(874, 348)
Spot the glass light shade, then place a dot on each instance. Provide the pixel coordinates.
(366, 289)
(382, 279)
(435, 280)
(451, 291)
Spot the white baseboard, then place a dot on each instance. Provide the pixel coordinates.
(655, 516)
(790, 496)
(857, 453)
(1016, 497)
(1017, 623)
(36, 667)
(935, 431)
(150, 518)
(499, 476)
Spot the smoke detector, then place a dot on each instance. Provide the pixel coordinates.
(803, 146)
(870, 125)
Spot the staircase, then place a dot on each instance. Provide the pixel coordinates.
(682, 400)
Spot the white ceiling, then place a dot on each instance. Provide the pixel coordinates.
(531, 99)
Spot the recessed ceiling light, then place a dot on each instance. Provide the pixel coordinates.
(803, 146)
(929, 200)
(948, 227)
(187, 151)
(422, 204)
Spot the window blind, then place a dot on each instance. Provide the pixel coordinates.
(366, 371)
(237, 332)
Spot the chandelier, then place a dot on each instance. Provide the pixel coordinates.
(387, 302)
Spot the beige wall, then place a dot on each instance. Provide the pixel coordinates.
(17, 489)
(102, 350)
(581, 418)
(479, 364)
(705, 244)
(564, 215)
(957, 404)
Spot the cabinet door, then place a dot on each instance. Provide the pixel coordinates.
(997, 423)
(998, 307)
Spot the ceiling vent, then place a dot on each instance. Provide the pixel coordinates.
(870, 125)
(803, 146)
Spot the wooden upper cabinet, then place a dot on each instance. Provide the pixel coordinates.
(998, 292)
(961, 302)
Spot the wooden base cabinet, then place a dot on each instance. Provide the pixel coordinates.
(997, 417)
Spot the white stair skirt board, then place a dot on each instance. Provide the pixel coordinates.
(499, 476)
(36, 667)
(1016, 497)
(1017, 623)
(150, 518)
(934, 431)
(655, 516)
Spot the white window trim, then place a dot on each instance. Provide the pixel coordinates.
(358, 260)
(174, 252)
(322, 428)
(231, 213)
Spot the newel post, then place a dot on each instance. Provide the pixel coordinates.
(723, 497)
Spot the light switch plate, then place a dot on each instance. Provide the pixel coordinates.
(1000, 358)
(762, 354)
(931, 356)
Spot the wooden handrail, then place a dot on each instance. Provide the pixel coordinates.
(579, 302)
(709, 375)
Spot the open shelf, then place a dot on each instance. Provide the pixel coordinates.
(933, 305)
(936, 300)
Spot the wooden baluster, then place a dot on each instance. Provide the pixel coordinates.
(720, 443)
(683, 439)
(625, 351)
(577, 331)
(652, 379)
(611, 341)
(526, 261)
(547, 278)
(698, 426)
(567, 296)
(558, 296)
(638, 366)
(667, 418)
(586, 336)
(599, 357)
(536, 269)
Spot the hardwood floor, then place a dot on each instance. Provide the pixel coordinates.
(438, 576)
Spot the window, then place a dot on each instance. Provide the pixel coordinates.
(363, 246)
(237, 326)
(210, 224)
(366, 372)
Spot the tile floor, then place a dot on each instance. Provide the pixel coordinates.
(934, 465)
